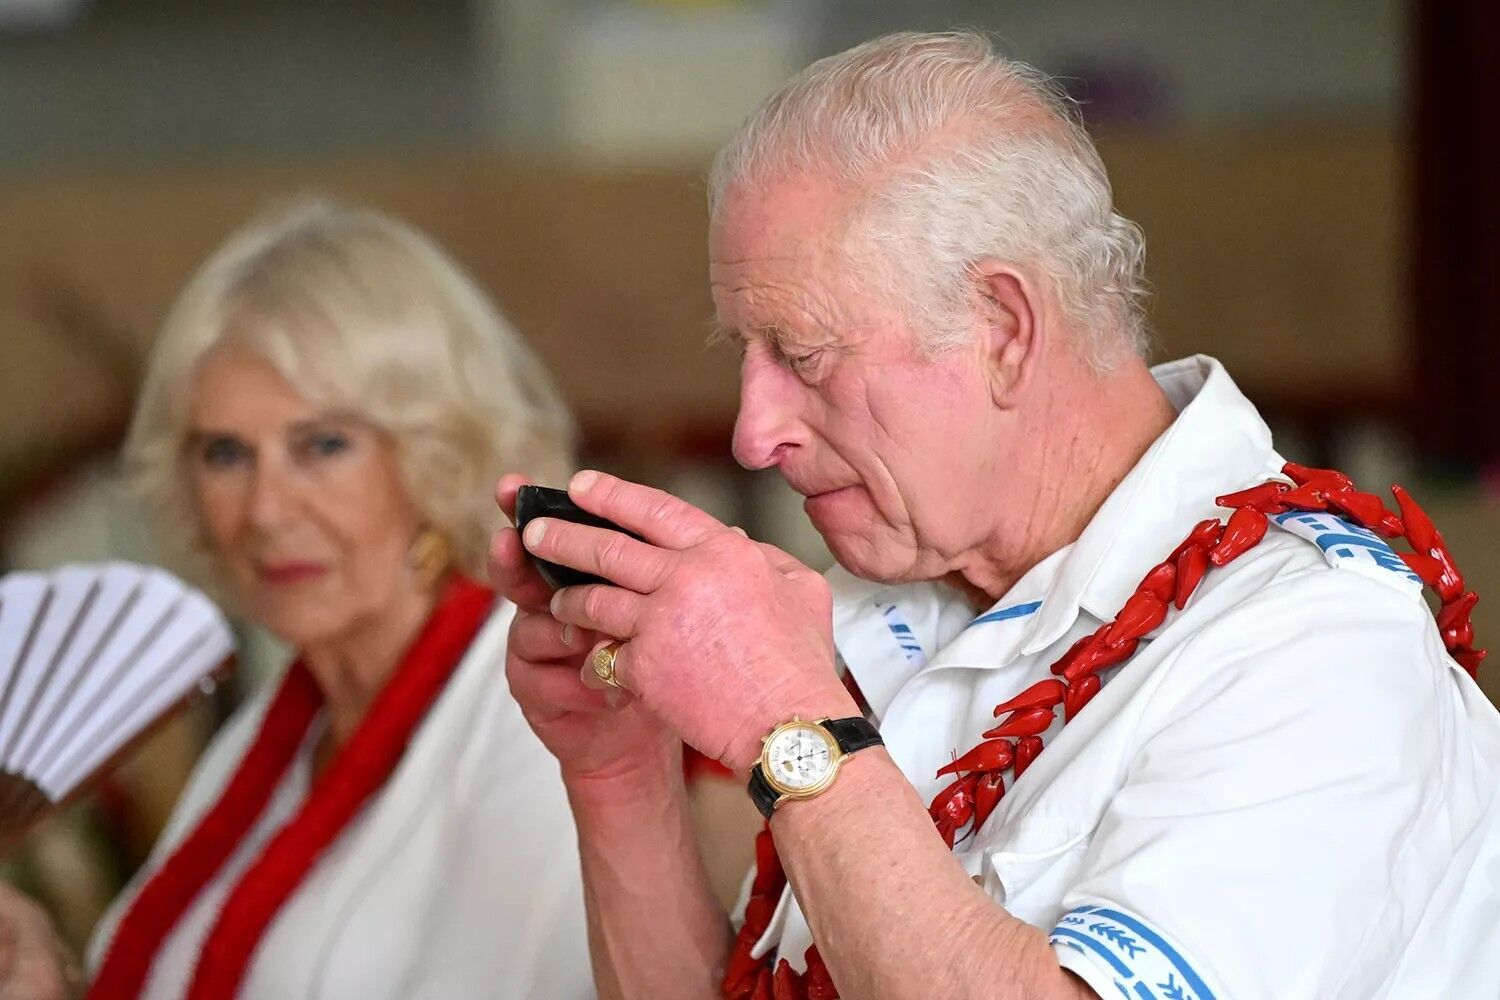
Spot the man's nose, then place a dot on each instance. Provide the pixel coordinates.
(767, 425)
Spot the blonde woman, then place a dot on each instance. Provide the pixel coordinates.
(326, 410)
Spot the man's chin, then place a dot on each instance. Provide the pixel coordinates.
(859, 555)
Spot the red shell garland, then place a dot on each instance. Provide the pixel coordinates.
(979, 784)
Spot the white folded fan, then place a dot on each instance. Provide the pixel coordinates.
(91, 657)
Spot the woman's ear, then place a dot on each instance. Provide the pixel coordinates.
(1010, 326)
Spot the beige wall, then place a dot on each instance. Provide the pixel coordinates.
(1279, 252)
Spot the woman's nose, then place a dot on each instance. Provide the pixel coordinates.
(272, 496)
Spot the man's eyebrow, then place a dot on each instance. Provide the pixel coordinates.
(721, 332)
(775, 334)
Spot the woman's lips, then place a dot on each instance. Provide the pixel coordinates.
(281, 574)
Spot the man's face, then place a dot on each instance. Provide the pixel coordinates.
(885, 445)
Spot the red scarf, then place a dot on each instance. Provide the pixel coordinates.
(356, 773)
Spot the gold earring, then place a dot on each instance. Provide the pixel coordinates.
(430, 555)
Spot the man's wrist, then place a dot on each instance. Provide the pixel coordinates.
(860, 781)
(832, 703)
(651, 772)
(855, 787)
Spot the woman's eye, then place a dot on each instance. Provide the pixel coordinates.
(324, 445)
(223, 453)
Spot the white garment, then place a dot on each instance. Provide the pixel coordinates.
(459, 878)
(1289, 791)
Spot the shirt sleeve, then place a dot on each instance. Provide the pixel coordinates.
(1279, 827)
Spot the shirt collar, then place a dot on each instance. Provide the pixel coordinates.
(1217, 444)
(887, 633)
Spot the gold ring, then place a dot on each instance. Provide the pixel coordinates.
(604, 663)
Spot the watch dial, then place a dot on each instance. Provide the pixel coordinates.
(799, 758)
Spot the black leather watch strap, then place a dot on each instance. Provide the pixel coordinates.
(761, 792)
(851, 735)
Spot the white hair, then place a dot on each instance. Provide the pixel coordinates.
(960, 154)
(360, 312)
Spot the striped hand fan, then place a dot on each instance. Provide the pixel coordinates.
(91, 657)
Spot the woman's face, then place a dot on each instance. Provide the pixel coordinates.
(304, 507)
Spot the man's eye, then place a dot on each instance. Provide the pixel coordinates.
(223, 453)
(804, 364)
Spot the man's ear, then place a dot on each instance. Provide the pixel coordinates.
(1009, 312)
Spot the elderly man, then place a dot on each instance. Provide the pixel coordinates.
(1232, 759)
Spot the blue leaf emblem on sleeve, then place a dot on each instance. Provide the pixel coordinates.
(1133, 954)
(1173, 990)
(1117, 937)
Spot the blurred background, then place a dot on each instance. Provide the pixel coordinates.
(1313, 179)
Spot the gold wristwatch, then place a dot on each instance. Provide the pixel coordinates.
(800, 759)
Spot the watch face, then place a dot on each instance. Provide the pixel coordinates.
(798, 758)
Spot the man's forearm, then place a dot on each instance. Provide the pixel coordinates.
(655, 927)
(894, 914)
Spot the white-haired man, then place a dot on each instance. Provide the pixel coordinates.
(1275, 778)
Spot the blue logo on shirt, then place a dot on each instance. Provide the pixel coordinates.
(1343, 542)
(905, 637)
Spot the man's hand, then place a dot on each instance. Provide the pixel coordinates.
(32, 965)
(593, 733)
(724, 637)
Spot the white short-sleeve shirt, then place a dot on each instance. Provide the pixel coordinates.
(1289, 791)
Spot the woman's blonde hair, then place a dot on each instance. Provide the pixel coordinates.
(363, 314)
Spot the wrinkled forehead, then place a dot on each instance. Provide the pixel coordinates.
(778, 246)
(776, 297)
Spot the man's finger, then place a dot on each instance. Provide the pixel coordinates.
(505, 493)
(615, 694)
(613, 555)
(512, 574)
(552, 689)
(538, 637)
(610, 611)
(655, 515)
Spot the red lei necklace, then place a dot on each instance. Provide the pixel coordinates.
(355, 774)
(1015, 743)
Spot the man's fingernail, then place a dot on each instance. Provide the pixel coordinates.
(568, 633)
(534, 532)
(555, 603)
(581, 482)
(613, 697)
